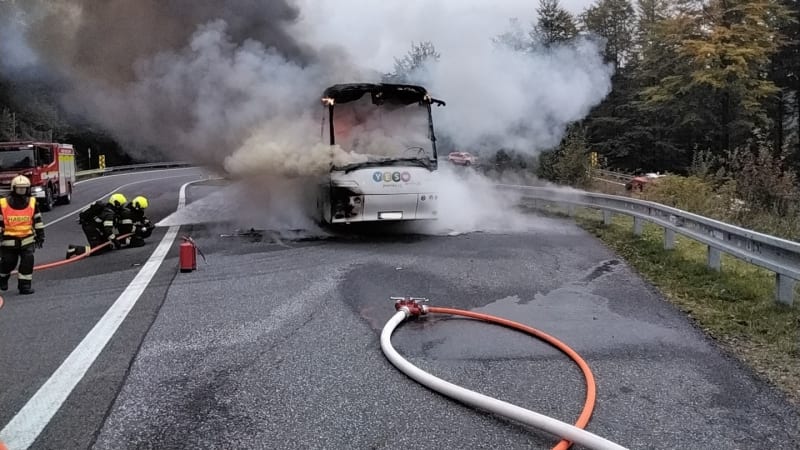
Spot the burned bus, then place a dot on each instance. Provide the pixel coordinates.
(387, 170)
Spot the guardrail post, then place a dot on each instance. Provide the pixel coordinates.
(714, 258)
(571, 210)
(637, 226)
(669, 239)
(607, 216)
(784, 289)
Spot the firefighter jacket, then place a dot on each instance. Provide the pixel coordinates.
(21, 221)
(133, 220)
(101, 216)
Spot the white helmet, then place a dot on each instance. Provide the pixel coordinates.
(21, 185)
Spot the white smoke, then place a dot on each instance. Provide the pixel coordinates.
(251, 107)
(500, 98)
(496, 97)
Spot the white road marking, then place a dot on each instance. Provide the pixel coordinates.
(21, 432)
(48, 223)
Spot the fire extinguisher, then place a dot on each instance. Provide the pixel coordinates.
(187, 260)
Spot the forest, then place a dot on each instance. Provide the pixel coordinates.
(708, 91)
(31, 109)
(698, 85)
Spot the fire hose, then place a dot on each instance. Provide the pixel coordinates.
(569, 434)
(75, 258)
(61, 263)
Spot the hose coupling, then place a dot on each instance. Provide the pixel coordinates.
(413, 306)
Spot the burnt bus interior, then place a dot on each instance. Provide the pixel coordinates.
(381, 95)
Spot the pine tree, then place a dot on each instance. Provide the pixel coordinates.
(554, 25)
(668, 126)
(785, 72)
(7, 125)
(615, 21)
(515, 38)
(612, 129)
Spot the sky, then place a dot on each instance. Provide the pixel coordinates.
(379, 34)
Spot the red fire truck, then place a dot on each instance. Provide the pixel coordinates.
(49, 166)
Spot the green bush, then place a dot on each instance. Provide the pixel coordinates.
(751, 188)
(569, 164)
(691, 194)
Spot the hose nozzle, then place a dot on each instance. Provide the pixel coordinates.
(411, 305)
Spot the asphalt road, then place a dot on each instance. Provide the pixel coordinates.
(275, 344)
(39, 331)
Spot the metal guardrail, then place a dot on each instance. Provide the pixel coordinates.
(778, 255)
(614, 176)
(99, 172)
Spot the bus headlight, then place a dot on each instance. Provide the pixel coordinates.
(356, 205)
(346, 203)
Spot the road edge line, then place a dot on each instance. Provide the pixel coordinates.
(26, 426)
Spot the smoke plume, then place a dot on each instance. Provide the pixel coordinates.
(496, 97)
(236, 85)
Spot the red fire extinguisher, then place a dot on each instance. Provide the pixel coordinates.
(187, 260)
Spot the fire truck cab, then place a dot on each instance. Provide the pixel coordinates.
(49, 166)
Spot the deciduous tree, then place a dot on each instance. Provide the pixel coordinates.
(416, 58)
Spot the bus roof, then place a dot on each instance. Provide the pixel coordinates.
(405, 94)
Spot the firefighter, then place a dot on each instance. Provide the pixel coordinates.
(22, 232)
(133, 221)
(98, 221)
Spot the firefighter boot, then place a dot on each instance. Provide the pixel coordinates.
(4, 282)
(76, 250)
(24, 287)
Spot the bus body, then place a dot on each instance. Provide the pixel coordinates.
(389, 173)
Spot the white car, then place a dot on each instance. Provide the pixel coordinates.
(462, 158)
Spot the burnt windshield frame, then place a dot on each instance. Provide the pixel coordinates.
(431, 135)
(426, 162)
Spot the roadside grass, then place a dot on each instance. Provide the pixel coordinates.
(735, 306)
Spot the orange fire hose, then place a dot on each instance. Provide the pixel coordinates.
(591, 390)
(61, 263)
(72, 260)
